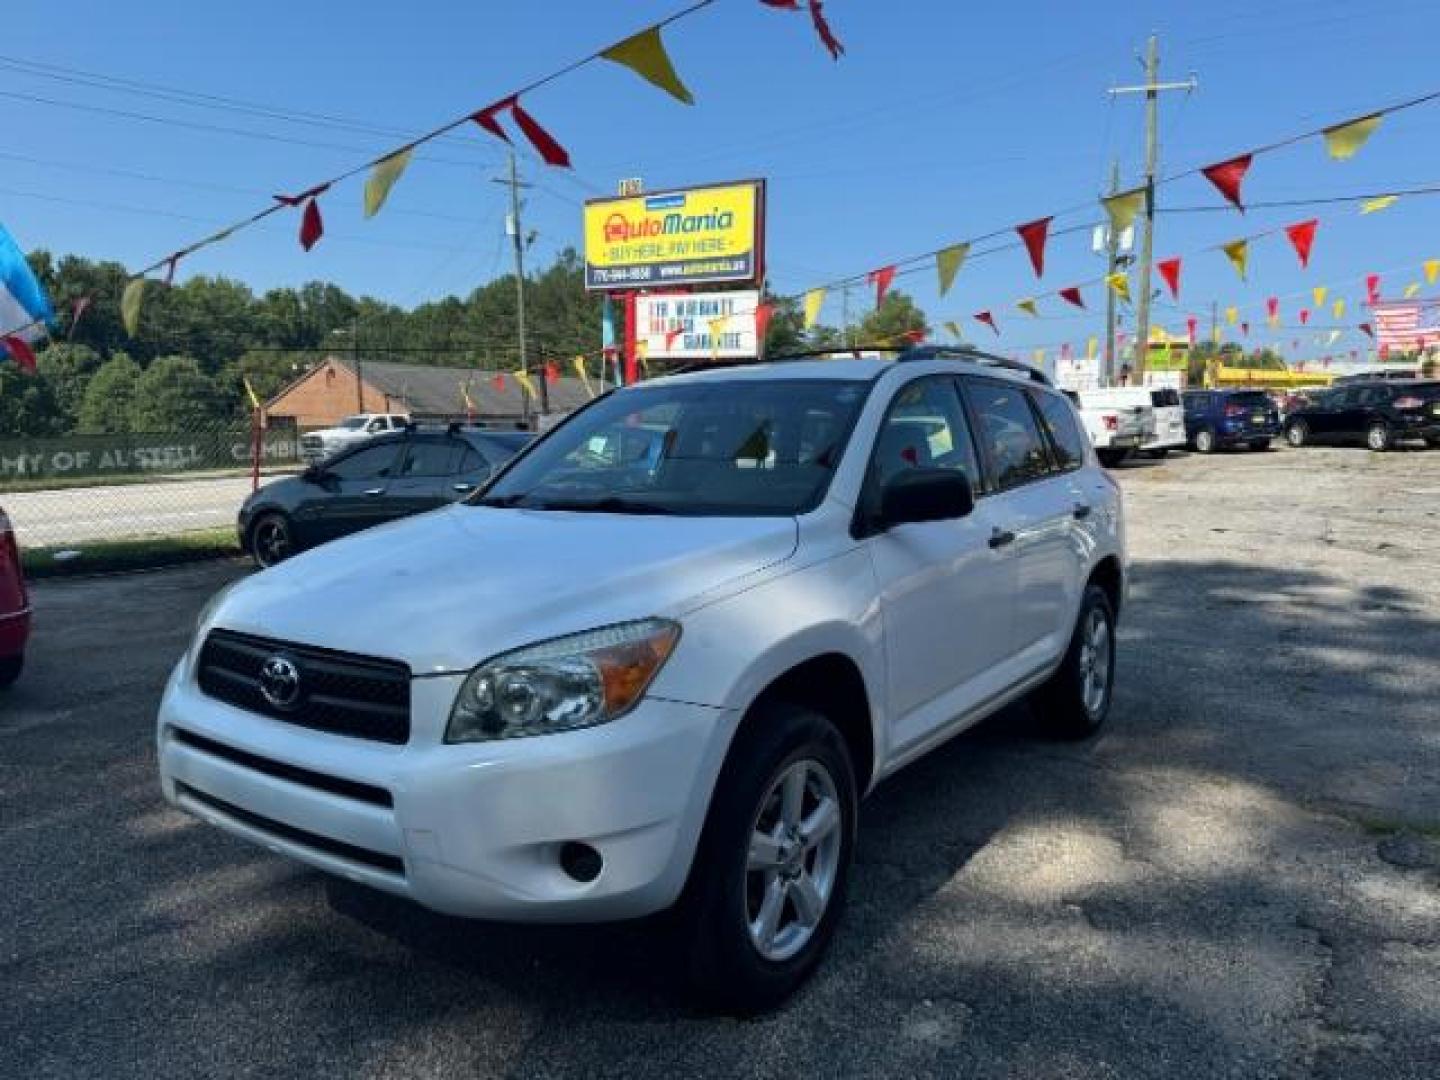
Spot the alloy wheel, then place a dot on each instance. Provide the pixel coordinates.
(272, 541)
(1377, 438)
(1095, 649)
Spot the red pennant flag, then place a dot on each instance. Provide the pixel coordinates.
(1034, 234)
(988, 320)
(790, 5)
(881, 279)
(312, 227)
(1272, 307)
(1170, 271)
(1372, 288)
(822, 27)
(550, 151)
(1367, 329)
(763, 314)
(915, 337)
(1384, 352)
(671, 335)
(1190, 324)
(1302, 236)
(1304, 316)
(77, 310)
(498, 381)
(552, 371)
(1227, 176)
(1072, 294)
(1245, 328)
(20, 349)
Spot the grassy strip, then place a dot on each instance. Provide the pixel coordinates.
(109, 556)
(64, 483)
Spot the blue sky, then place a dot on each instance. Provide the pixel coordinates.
(943, 120)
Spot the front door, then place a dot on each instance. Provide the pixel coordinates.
(944, 589)
(352, 493)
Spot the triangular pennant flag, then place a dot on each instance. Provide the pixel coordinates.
(1091, 345)
(822, 28)
(1374, 206)
(1120, 284)
(1039, 358)
(1238, 252)
(1302, 236)
(522, 377)
(1170, 271)
(717, 327)
(644, 53)
(671, 335)
(1304, 316)
(988, 320)
(881, 279)
(814, 300)
(550, 151)
(579, 363)
(1367, 329)
(1033, 235)
(1028, 306)
(1318, 294)
(1232, 315)
(763, 314)
(552, 372)
(1338, 308)
(953, 328)
(250, 393)
(1412, 289)
(130, 301)
(1432, 268)
(1372, 288)
(1227, 177)
(20, 350)
(1072, 295)
(498, 381)
(1190, 324)
(1272, 310)
(1343, 140)
(312, 226)
(1245, 329)
(383, 177)
(948, 262)
(1122, 208)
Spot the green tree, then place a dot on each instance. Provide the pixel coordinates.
(68, 369)
(888, 323)
(109, 402)
(27, 404)
(174, 395)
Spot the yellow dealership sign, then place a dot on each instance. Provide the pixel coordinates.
(687, 236)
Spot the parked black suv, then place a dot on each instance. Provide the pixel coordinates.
(389, 477)
(1377, 414)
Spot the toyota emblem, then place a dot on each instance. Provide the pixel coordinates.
(280, 682)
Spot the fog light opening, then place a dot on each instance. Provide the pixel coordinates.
(581, 861)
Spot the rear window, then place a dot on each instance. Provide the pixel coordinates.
(1166, 398)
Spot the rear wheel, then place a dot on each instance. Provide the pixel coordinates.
(773, 866)
(1377, 437)
(1297, 433)
(10, 668)
(1110, 456)
(1205, 441)
(272, 540)
(1076, 700)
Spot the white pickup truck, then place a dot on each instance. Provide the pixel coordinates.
(327, 442)
(1116, 427)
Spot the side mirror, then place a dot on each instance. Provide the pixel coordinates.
(917, 495)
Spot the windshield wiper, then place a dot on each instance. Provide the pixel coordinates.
(610, 504)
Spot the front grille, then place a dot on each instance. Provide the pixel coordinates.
(360, 696)
(312, 442)
(351, 789)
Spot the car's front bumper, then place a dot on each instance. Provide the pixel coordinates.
(473, 830)
(14, 632)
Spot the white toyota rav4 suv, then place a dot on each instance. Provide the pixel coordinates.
(659, 659)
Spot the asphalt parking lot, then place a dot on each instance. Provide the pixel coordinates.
(1240, 877)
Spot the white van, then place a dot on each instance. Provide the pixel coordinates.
(1162, 402)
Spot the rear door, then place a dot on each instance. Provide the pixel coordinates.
(1197, 411)
(1169, 417)
(424, 478)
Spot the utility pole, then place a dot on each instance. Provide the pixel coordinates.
(1151, 89)
(355, 358)
(1112, 253)
(517, 235)
(845, 314)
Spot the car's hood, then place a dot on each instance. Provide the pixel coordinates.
(445, 590)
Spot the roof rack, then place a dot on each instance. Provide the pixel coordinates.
(902, 353)
(972, 356)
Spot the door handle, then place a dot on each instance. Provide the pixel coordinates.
(1081, 511)
(1000, 537)
(463, 487)
(375, 491)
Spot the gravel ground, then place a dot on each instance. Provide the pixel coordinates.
(1241, 877)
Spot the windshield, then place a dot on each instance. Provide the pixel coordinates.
(351, 423)
(738, 448)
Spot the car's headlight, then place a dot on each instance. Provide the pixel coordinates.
(563, 684)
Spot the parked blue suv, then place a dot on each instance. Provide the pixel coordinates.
(1220, 418)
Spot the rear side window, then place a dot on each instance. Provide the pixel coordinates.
(432, 457)
(1165, 398)
(1250, 399)
(1065, 438)
(1008, 431)
(373, 461)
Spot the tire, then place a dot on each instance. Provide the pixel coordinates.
(1297, 433)
(1377, 438)
(1205, 441)
(1075, 702)
(1111, 457)
(1259, 445)
(10, 668)
(737, 964)
(272, 539)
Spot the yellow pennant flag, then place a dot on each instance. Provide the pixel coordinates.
(642, 353)
(1318, 294)
(464, 387)
(1343, 140)
(1120, 284)
(1122, 208)
(250, 393)
(814, 301)
(1040, 358)
(1412, 289)
(954, 329)
(130, 304)
(717, 327)
(1232, 315)
(382, 179)
(1339, 309)
(579, 363)
(948, 262)
(1028, 306)
(1090, 346)
(1374, 206)
(1432, 267)
(523, 378)
(645, 55)
(1238, 252)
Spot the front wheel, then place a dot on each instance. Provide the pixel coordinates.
(1110, 457)
(1297, 433)
(1377, 437)
(773, 866)
(1205, 441)
(1076, 700)
(272, 540)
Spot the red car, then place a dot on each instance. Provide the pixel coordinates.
(14, 607)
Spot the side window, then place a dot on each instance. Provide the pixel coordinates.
(1374, 395)
(472, 462)
(1065, 437)
(1008, 432)
(925, 428)
(370, 463)
(431, 457)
